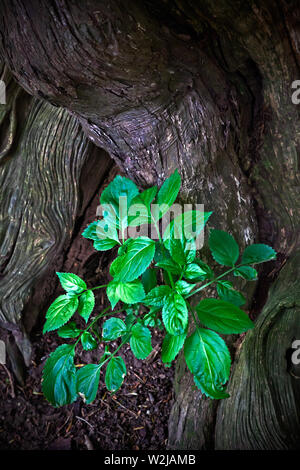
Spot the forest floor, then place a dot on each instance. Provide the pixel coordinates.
(135, 418)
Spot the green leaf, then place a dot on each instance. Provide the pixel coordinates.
(104, 245)
(116, 199)
(164, 261)
(157, 296)
(187, 225)
(59, 376)
(169, 265)
(209, 274)
(182, 251)
(224, 248)
(129, 292)
(151, 319)
(119, 187)
(246, 272)
(144, 200)
(130, 265)
(208, 359)
(209, 389)
(86, 304)
(223, 316)
(171, 347)
(230, 295)
(147, 196)
(140, 341)
(258, 253)
(149, 279)
(115, 373)
(168, 194)
(177, 251)
(184, 288)
(113, 328)
(59, 312)
(88, 341)
(90, 231)
(193, 272)
(103, 233)
(69, 331)
(87, 381)
(131, 314)
(106, 231)
(175, 314)
(122, 250)
(71, 283)
(111, 293)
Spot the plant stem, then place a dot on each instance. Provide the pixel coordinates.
(98, 287)
(114, 353)
(160, 239)
(102, 314)
(211, 282)
(192, 310)
(171, 278)
(157, 228)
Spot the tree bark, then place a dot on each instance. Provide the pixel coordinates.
(205, 88)
(42, 193)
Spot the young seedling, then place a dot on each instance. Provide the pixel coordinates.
(137, 272)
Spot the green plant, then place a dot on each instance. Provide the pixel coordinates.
(154, 280)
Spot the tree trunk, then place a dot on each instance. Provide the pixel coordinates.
(42, 169)
(204, 87)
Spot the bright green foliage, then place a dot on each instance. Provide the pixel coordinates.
(224, 248)
(149, 279)
(186, 226)
(175, 314)
(209, 274)
(226, 292)
(152, 281)
(88, 342)
(69, 330)
(171, 347)
(113, 328)
(115, 373)
(86, 304)
(208, 359)
(104, 235)
(71, 283)
(183, 287)
(136, 259)
(258, 253)
(62, 309)
(116, 199)
(87, 381)
(223, 317)
(168, 192)
(246, 272)
(157, 296)
(140, 341)
(128, 292)
(194, 272)
(59, 376)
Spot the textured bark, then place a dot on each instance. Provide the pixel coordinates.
(264, 387)
(204, 87)
(40, 168)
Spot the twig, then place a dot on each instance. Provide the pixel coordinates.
(85, 421)
(124, 407)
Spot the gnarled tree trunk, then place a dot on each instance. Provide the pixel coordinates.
(204, 87)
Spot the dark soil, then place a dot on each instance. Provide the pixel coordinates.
(135, 418)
